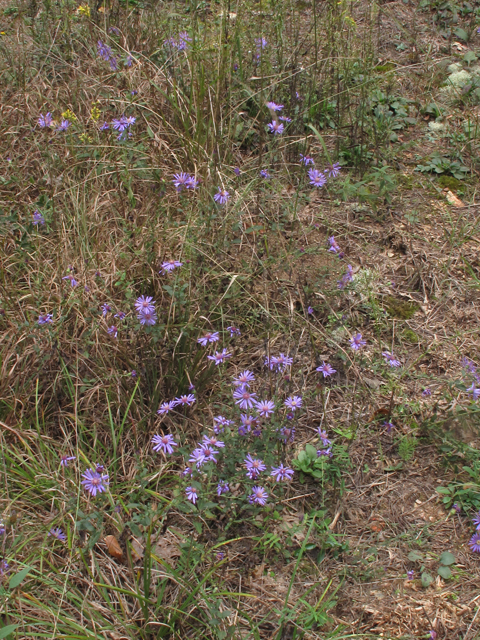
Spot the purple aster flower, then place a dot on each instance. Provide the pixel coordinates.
(192, 494)
(389, 426)
(4, 568)
(128, 63)
(197, 457)
(247, 423)
(145, 303)
(468, 364)
(147, 317)
(63, 126)
(264, 174)
(45, 121)
(317, 178)
(293, 402)
(244, 379)
(310, 311)
(285, 119)
(113, 62)
(280, 362)
(188, 471)
(164, 443)
(120, 315)
(323, 437)
(208, 337)
(94, 481)
(236, 171)
(282, 473)
(38, 218)
(106, 308)
(476, 520)
(457, 507)
(188, 399)
(170, 265)
(64, 460)
(57, 533)
(133, 373)
(326, 369)
(208, 453)
(288, 434)
(130, 120)
(265, 408)
(390, 359)
(212, 441)
(112, 331)
(104, 126)
(234, 331)
(2, 529)
(324, 452)
(433, 634)
(73, 282)
(220, 556)
(222, 197)
(333, 170)
(254, 467)
(120, 124)
(474, 392)
(220, 356)
(475, 543)
(271, 362)
(245, 399)
(274, 107)
(410, 574)
(220, 423)
(333, 245)
(47, 318)
(306, 160)
(259, 496)
(166, 407)
(275, 127)
(222, 487)
(426, 393)
(357, 342)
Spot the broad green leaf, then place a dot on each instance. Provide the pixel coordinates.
(16, 579)
(6, 631)
(447, 558)
(414, 556)
(310, 451)
(444, 572)
(426, 579)
(461, 33)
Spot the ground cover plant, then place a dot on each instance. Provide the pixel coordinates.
(239, 300)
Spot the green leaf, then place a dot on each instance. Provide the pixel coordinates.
(414, 556)
(444, 572)
(469, 57)
(6, 631)
(426, 579)
(310, 451)
(461, 33)
(16, 579)
(447, 558)
(443, 490)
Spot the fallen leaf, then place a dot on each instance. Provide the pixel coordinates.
(166, 548)
(452, 199)
(136, 550)
(113, 548)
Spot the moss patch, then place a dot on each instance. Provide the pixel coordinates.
(400, 309)
(411, 336)
(449, 182)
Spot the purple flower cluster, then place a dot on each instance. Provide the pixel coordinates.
(38, 218)
(326, 369)
(145, 307)
(187, 399)
(319, 178)
(181, 44)
(474, 542)
(122, 125)
(346, 278)
(390, 359)
(105, 53)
